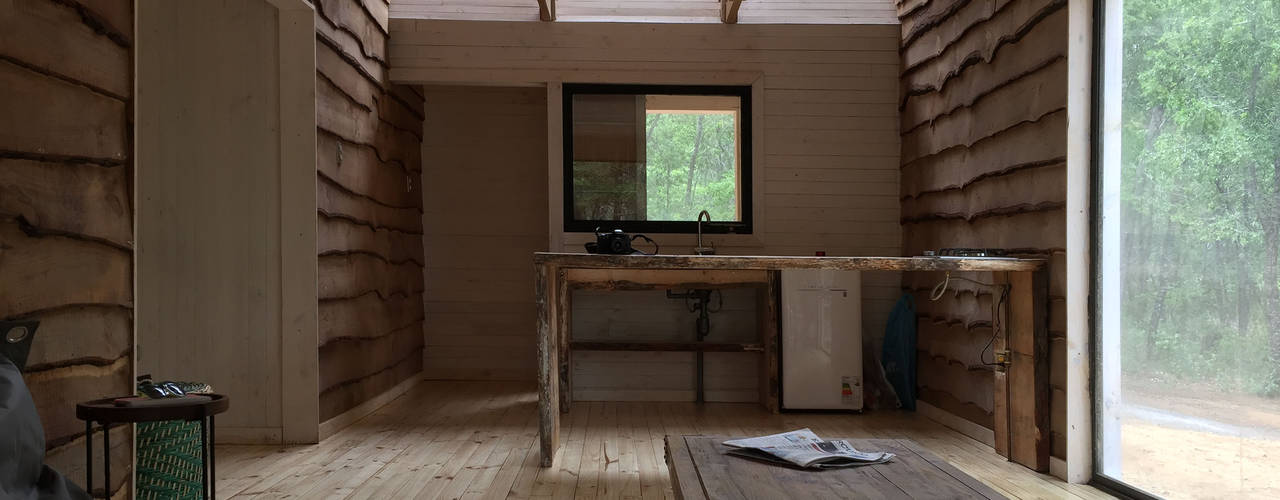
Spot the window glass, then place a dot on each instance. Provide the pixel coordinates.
(652, 158)
(1188, 366)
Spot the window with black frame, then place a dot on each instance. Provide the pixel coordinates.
(651, 158)
(1187, 317)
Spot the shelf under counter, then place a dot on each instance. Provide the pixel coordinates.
(591, 345)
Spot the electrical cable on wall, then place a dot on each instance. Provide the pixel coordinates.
(996, 307)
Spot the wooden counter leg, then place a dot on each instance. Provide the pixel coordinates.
(548, 362)
(1022, 388)
(769, 321)
(1000, 389)
(564, 325)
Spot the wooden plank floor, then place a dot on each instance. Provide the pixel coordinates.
(479, 440)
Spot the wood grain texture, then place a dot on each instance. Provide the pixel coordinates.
(980, 44)
(585, 345)
(110, 18)
(81, 334)
(552, 271)
(368, 315)
(1018, 147)
(349, 394)
(979, 171)
(338, 236)
(337, 202)
(342, 276)
(69, 49)
(475, 437)
(48, 272)
(914, 472)
(548, 363)
(68, 198)
(1028, 371)
(66, 213)
(372, 353)
(358, 169)
(662, 279)
(369, 206)
(978, 81)
(63, 120)
(684, 475)
(826, 156)
(729, 11)
(916, 16)
(336, 114)
(485, 207)
(770, 329)
(340, 25)
(730, 262)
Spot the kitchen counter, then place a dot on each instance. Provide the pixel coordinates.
(1022, 383)
(747, 262)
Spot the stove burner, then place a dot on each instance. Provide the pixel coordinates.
(972, 252)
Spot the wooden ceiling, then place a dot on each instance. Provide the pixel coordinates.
(654, 11)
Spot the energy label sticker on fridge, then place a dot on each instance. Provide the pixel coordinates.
(847, 384)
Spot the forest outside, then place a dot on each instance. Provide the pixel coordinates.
(690, 164)
(1201, 191)
(1199, 245)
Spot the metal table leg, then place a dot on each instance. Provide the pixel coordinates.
(213, 462)
(88, 457)
(106, 460)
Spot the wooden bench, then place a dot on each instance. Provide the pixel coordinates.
(701, 470)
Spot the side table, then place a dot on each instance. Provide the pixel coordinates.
(105, 412)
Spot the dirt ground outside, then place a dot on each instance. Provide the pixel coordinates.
(1189, 441)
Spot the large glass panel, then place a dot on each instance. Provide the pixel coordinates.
(652, 158)
(1189, 309)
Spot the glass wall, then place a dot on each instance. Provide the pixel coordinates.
(1189, 295)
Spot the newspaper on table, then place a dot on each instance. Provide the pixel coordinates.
(804, 449)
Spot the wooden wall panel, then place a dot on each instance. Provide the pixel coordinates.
(210, 210)
(983, 165)
(66, 212)
(485, 174)
(826, 129)
(369, 219)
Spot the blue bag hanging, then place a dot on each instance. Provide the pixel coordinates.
(899, 352)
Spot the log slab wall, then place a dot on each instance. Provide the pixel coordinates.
(983, 131)
(66, 211)
(369, 234)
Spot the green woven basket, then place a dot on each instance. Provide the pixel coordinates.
(169, 463)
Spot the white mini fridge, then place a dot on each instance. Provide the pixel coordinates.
(821, 340)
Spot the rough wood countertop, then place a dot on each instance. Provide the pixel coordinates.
(769, 262)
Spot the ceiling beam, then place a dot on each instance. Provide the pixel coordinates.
(729, 11)
(547, 10)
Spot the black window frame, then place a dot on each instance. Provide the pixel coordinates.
(745, 203)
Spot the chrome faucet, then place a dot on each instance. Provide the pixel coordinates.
(700, 249)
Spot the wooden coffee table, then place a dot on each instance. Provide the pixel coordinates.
(701, 470)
